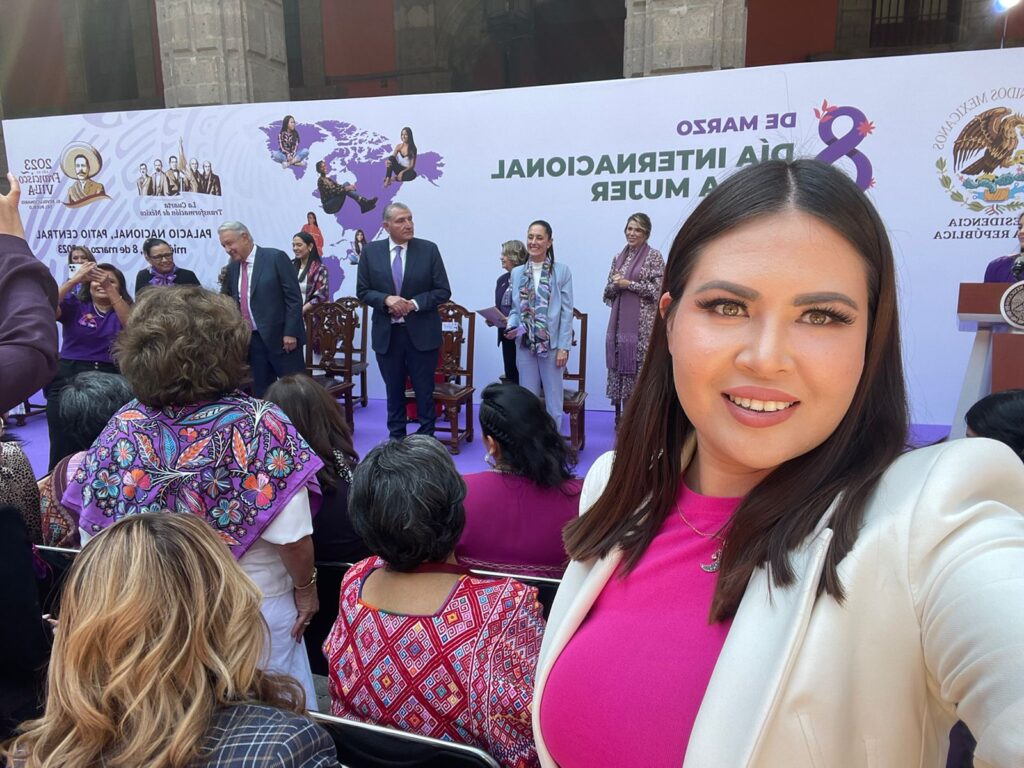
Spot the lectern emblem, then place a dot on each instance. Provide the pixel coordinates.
(1011, 306)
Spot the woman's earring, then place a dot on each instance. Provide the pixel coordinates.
(489, 460)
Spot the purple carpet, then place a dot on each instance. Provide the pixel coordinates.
(371, 428)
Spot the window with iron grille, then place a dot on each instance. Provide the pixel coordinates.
(914, 22)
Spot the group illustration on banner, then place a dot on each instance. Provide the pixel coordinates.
(181, 176)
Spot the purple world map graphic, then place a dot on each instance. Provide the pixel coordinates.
(355, 156)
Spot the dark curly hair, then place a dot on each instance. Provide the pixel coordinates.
(530, 443)
(406, 502)
(183, 345)
(1000, 416)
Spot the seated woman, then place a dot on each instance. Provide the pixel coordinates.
(319, 419)
(156, 662)
(18, 487)
(289, 152)
(516, 511)
(401, 163)
(333, 194)
(86, 404)
(25, 639)
(162, 269)
(419, 644)
(192, 443)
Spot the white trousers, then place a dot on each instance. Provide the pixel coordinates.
(541, 375)
(283, 655)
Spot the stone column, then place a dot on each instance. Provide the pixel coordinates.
(666, 36)
(419, 45)
(853, 25)
(222, 51)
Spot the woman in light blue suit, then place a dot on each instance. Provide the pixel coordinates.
(541, 318)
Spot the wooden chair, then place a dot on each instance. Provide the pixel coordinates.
(329, 328)
(455, 368)
(453, 376)
(574, 400)
(354, 360)
(366, 745)
(28, 409)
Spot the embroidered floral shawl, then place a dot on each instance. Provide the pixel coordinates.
(235, 462)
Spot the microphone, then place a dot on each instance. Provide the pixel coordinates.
(1018, 267)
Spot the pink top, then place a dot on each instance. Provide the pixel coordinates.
(512, 525)
(649, 633)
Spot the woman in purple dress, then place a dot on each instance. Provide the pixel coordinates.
(515, 512)
(634, 284)
(91, 321)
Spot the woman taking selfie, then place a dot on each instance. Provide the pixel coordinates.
(92, 316)
(772, 579)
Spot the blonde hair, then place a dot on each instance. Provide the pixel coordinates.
(159, 627)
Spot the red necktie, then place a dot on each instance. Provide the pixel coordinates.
(243, 298)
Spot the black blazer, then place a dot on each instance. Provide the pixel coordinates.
(276, 302)
(499, 293)
(424, 281)
(183, 277)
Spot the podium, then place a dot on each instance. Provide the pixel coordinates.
(997, 356)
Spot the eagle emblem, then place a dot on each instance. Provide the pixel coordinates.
(994, 134)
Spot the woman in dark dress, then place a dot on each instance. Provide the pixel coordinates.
(513, 253)
(318, 418)
(162, 269)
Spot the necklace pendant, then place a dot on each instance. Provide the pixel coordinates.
(712, 567)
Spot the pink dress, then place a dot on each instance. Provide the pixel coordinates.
(626, 689)
(514, 526)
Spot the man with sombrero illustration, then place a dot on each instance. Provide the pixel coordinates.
(81, 162)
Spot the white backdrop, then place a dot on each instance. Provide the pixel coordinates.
(891, 123)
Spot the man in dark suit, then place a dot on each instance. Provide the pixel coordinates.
(266, 287)
(404, 280)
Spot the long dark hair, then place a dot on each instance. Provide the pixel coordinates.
(783, 509)
(85, 295)
(284, 125)
(314, 254)
(410, 145)
(358, 244)
(547, 228)
(318, 418)
(530, 443)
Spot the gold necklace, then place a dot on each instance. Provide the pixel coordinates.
(716, 558)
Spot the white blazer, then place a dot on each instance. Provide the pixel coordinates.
(932, 630)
